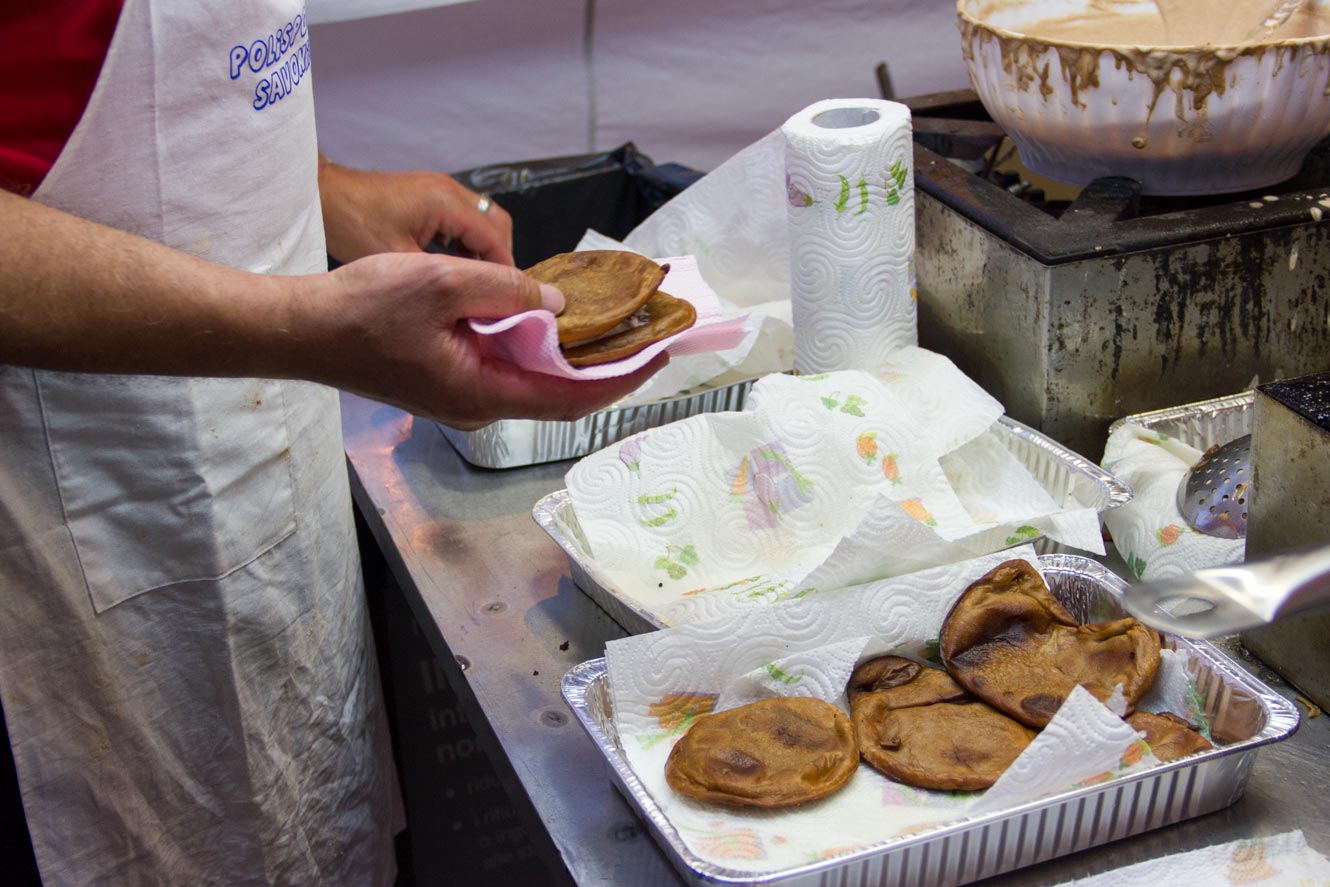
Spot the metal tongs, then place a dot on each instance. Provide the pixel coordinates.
(1224, 600)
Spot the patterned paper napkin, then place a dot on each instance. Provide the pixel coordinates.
(531, 339)
(735, 219)
(820, 482)
(660, 682)
(1149, 531)
(1276, 861)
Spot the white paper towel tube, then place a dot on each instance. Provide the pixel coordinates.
(849, 177)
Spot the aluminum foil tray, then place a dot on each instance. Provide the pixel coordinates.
(511, 443)
(1244, 714)
(1201, 424)
(1068, 478)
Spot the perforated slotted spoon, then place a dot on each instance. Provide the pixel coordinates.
(1213, 494)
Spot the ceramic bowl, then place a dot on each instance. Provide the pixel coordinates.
(1204, 119)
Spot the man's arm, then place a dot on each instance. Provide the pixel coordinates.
(79, 296)
(75, 295)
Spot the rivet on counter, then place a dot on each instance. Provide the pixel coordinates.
(552, 717)
(463, 662)
(494, 608)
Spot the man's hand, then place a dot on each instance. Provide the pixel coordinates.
(393, 327)
(367, 212)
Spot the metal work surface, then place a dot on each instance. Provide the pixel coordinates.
(493, 592)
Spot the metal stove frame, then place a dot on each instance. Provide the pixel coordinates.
(1120, 303)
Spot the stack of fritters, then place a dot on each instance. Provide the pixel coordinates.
(612, 305)
(920, 727)
(1012, 655)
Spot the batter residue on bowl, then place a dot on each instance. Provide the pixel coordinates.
(1174, 23)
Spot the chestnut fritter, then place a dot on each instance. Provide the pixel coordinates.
(601, 289)
(665, 316)
(1169, 736)
(918, 726)
(1011, 643)
(771, 753)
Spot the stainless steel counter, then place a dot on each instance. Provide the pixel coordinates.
(495, 601)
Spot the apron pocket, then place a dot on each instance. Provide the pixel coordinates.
(167, 480)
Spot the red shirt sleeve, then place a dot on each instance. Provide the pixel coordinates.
(51, 53)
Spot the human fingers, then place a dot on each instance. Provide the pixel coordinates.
(485, 241)
(485, 290)
(512, 391)
(480, 225)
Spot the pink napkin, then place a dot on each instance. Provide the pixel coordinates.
(531, 340)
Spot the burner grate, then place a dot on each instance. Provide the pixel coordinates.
(959, 155)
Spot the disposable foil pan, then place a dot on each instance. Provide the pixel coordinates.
(511, 443)
(1201, 424)
(1244, 714)
(1072, 481)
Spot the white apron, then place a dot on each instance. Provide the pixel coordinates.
(185, 661)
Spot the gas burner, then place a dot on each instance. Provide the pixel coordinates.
(1076, 306)
(984, 171)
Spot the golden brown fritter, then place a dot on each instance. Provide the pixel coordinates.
(771, 753)
(1169, 736)
(665, 316)
(1008, 641)
(601, 289)
(918, 726)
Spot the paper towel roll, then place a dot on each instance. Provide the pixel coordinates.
(849, 180)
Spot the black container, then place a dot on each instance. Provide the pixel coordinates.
(554, 201)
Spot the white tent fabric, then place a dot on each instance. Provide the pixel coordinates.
(321, 11)
(689, 81)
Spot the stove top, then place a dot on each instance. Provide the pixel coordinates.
(964, 160)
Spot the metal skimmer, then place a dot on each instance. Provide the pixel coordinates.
(1213, 494)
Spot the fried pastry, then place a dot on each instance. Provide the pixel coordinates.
(771, 753)
(918, 726)
(664, 316)
(1011, 643)
(1169, 736)
(601, 289)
